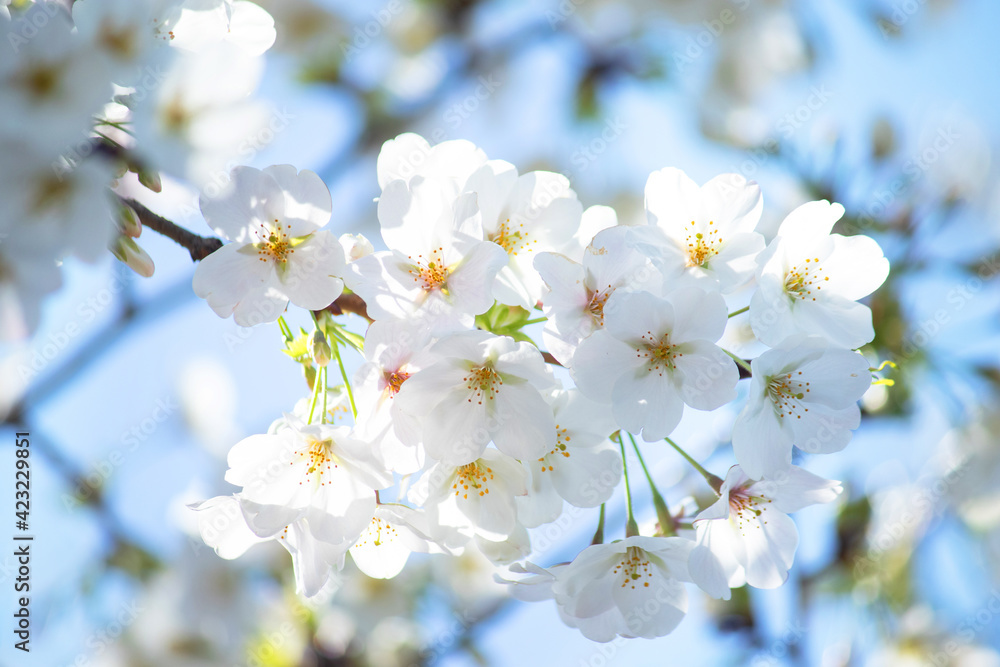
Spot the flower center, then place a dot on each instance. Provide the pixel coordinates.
(562, 439)
(702, 246)
(394, 380)
(430, 274)
(512, 240)
(746, 509)
(660, 355)
(474, 475)
(596, 304)
(378, 533)
(39, 80)
(633, 567)
(786, 392)
(799, 283)
(482, 381)
(274, 243)
(319, 457)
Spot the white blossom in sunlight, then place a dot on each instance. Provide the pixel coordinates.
(583, 469)
(809, 280)
(394, 533)
(198, 25)
(410, 156)
(748, 528)
(655, 355)
(711, 227)
(577, 292)
(278, 253)
(803, 394)
(483, 387)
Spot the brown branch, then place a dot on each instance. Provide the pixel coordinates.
(200, 247)
(349, 303)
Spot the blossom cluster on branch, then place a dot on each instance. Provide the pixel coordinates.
(456, 434)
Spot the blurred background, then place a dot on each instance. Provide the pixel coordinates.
(888, 106)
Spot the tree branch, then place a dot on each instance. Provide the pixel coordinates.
(200, 247)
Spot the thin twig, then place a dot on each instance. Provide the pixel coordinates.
(200, 247)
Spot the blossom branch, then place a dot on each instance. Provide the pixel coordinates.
(200, 247)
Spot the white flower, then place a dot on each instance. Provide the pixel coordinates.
(516, 546)
(808, 280)
(438, 267)
(28, 272)
(191, 118)
(748, 528)
(483, 388)
(476, 498)
(583, 469)
(632, 588)
(278, 253)
(524, 215)
(316, 472)
(655, 355)
(51, 85)
(410, 156)
(394, 350)
(197, 25)
(119, 30)
(394, 533)
(711, 228)
(223, 527)
(577, 293)
(803, 394)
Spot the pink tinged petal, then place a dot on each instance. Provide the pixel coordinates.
(312, 277)
(762, 442)
(648, 402)
(253, 198)
(797, 488)
(599, 361)
(771, 540)
(837, 378)
(811, 220)
(672, 199)
(470, 285)
(307, 199)
(222, 526)
(707, 375)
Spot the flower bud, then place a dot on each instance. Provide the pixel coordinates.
(129, 253)
(150, 179)
(128, 221)
(319, 348)
(356, 246)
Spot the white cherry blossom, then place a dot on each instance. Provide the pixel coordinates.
(278, 252)
(577, 292)
(809, 280)
(482, 388)
(583, 469)
(394, 533)
(748, 528)
(804, 394)
(655, 355)
(711, 228)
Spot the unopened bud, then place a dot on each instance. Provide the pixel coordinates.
(150, 179)
(128, 221)
(356, 246)
(129, 253)
(310, 373)
(319, 348)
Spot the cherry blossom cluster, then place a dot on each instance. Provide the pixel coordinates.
(517, 345)
(111, 87)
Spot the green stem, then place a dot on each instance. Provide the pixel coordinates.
(324, 372)
(740, 311)
(713, 480)
(599, 533)
(740, 361)
(534, 321)
(631, 527)
(662, 512)
(347, 382)
(317, 384)
(285, 331)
